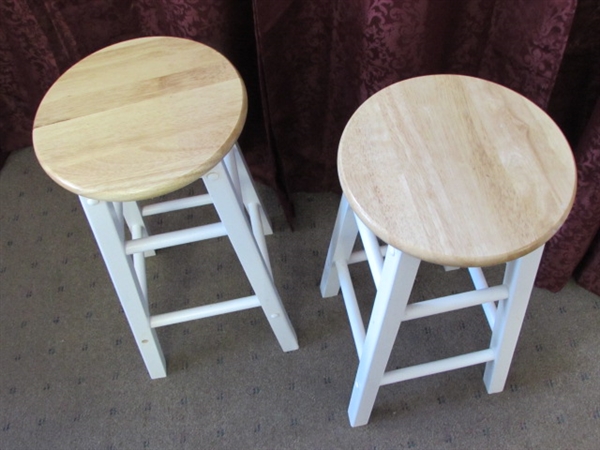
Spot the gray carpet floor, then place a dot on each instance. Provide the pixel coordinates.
(71, 376)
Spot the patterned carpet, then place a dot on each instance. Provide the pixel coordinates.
(71, 376)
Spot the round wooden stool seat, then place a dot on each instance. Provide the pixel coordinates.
(456, 170)
(139, 119)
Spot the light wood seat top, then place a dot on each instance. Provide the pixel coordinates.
(139, 119)
(456, 170)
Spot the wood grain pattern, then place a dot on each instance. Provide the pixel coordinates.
(139, 119)
(456, 170)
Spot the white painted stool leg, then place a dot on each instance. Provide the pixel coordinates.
(519, 278)
(133, 216)
(247, 188)
(248, 196)
(232, 215)
(135, 222)
(134, 219)
(372, 250)
(342, 242)
(397, 279)
(107, 230)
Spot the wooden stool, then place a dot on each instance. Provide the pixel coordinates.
(144, 118)
(455, 171)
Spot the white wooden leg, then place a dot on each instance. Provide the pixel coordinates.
(519, 278)
(133, 216)
(107, 229)
(479, 281)
(342, 242)
(231, 212)
(372, 250)
(397, 279)
(135, 221)
(247, 188)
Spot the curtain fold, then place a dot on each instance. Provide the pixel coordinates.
(228, 27)
(575, 249)
(308, 64)
(575, 105)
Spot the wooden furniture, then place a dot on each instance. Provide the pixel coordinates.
(455, 171)
(143, 118)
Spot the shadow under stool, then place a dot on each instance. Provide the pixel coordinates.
(140, 119)
(456, 171)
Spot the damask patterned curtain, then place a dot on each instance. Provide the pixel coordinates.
(308, 64)
(322, 59)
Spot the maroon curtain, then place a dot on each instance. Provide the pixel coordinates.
(575, 249)
(309, 64)
(38, 41)
(575, 105)
(322, 59)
